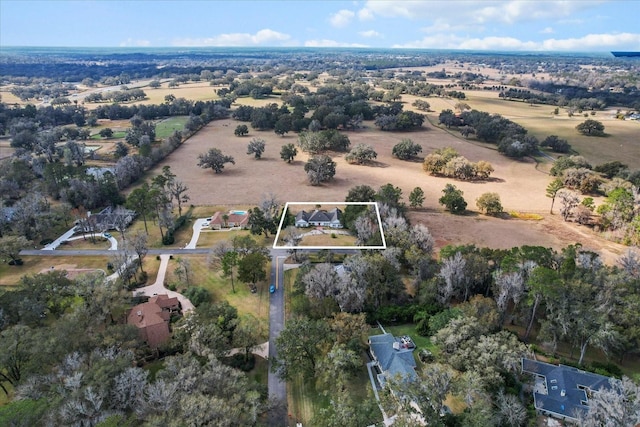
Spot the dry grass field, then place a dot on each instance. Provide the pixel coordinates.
(10, 275)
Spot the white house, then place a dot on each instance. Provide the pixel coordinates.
(320, 218)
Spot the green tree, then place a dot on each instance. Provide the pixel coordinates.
(241, 130)
(552, 191)
(256, 147)
(10, 246)
(452, 199)
(288, 152)
(229, 263)
(106, 133)
(214, 159)
(416, 198)
(141, 202)
(489, 203)
(300, 347)
(251, 268)
(591, 127)
(406, 149)
(259, 223)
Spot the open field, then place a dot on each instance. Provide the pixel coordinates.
(520, 185)
(10, 275)
(621, 143)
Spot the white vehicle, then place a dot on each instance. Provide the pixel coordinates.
(205, 224)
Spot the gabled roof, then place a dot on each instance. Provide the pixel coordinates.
(566, 387)
(393, 361)
(320, 215)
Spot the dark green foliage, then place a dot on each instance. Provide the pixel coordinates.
(556, 144)
(611, 169)
(591, 127)
(23, 413)
(453, 200)
(406, 149)
(238, 361)
(197, 295)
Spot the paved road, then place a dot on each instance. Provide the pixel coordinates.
(92, 252)
(277, 388)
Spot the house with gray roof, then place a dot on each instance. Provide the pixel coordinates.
(320, 218)
(393, 356)
(562, 391)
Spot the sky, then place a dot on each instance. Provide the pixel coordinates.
(517, 25)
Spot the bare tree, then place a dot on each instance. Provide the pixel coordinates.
(453, 274)
(617, 405)
(568, 202)
(178, 190)
(510, 410)
(140, 246)
(320, 281)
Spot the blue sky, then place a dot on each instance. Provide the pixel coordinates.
(530, 25)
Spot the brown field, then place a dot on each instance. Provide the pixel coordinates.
(10, 275)
(520, 185)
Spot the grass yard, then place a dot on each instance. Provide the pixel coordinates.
(166, 127)
(10, 275)
(210, 278)
(328, 239)
(100, 244)
(209, 238)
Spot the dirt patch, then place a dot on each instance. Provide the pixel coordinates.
(485, 231)
(72, 271)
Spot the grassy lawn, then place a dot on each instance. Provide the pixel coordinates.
(10, 275)
(209, 238)
(118, 134)
(166, 127)
(328, 240)
(100, 244)
(211, 278)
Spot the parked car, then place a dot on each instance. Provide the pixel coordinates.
(205, 224)
(272, 288)
(107, 235)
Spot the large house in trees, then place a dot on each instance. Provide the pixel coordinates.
(320, 218)
(562, 391)
(152, 319)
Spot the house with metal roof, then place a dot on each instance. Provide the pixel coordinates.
(562, 391)
(393, 356)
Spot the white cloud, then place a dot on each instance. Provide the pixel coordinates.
(547, 30)
(370, 33)
(261, 38)
(342, 18)
(590, 42)
(135, 43)
(331, 43)
(365, 15)
(595, 42)
(477, 11)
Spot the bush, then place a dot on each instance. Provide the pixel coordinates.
(606, 368)
(168, 238)
(197, 295)
(239, 362)
(16, 261)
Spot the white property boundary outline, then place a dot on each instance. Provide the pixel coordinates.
(286, 209)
